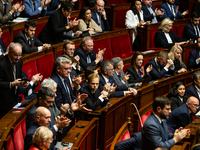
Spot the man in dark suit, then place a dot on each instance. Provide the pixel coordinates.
(28, 40)
(183, 115)
(160, 64)
(99, 15)
(191, 30)
(10, 78)
(106, 77)
(91, 3)
(194, 57)
(3, 48)
(155, 131)
(86, 53)
(151, 13)
(193, 89)
(172, 11)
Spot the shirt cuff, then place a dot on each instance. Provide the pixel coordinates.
(73, 67)
(40, 9)
(172, 68)
(101, 99)
(56, 129)
(39, 48)
(10, 85)
(166, 69)
(123, 82)
(72, 34)
(10, 12)
(31, 83)
(70, 113)
(45, 8)
(124, 93)
(197, 61)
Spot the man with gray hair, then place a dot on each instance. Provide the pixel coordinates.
(118, 74)
(194, 89)
(86, 53)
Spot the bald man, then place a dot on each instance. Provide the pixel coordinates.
(183, 115)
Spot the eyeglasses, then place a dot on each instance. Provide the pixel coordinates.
(69, 68)
(195, 105)
(16, 56)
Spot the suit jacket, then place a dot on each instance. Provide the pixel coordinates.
(160, 39)
(189, 32)
(8, 96)
(20, 38)
(8, 16)
(119, 92)
(179, 117)
(62, 95)
(104, 23)
(147, 15)
(196, 7)
(155, 74)
(117, 80)
(91, 3)
(153, 135)
(83, 57)
(51, 7)
(2, 46)
(192, 91)
(29, 10)
(176, 102)
(193, 55)
(168, 13)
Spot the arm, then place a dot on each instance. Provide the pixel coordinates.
(106, 25)
(81, 26)
(129, 21)
(95, 26)
(147, 15)
(177, 38)
(192, 64)
(28, 11)
(189, 33)
(166, 14)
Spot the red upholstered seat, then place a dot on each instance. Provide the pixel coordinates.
(6, 38)
(126, 66)
(39, 28)
(21, 97)
(152, 34)
(115, 2)
(23, 125)
(144, 117)
(178, 30)
(126, 136)
(30, 68)
(15, 1)
(15, 32)
(187, 55)
(18, 138)
(145, 61)
(59, 52)
(120, 20)
(121, 46)
(10, 144)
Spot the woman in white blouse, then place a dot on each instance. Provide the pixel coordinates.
(134, 19)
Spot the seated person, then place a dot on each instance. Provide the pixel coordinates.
(194, 57)
(172, 11)
(165, 37)
(136, 70)
(151, 13)
(106, 77)
(86, 22)
(58, 28)
(86, 53)
(191, 30)
(175, 55)
(160, 65)
(91, 3)
(196, 6)
(35, 7)
(178, 95)
(183, 115)
(118, 74)
(134, 19)
(196, 142)
(99, 15)
(28, 40)
(3, 48)
(9, 11)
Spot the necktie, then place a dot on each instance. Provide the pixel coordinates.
(34, 6)
(67, 84)
(100, 19)
(166, 137)
(119, 77)
(29, 43)
(4, 11)
(154, 20)
(197, 32)
(88, 59)
(14, 75)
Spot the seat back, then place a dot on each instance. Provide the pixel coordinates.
(120, 18)
(152, 34)
(18, 137)
(10, 144)
(6, 35)
(23, 124)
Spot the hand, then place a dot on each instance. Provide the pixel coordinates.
(46, 46)
(148, 22)
(75, 22)
(159, 12)
(182, 70)
(140, 23)
(42, 3)
(185, 13)
(77, 106)
(139, 84)
(104, 94)
(25, 84)
(78, 33)
(90, 29)
(132, 90)
(142, 71)
(47, 2)
(36, 78)
(149, 68)
(62, 122)
(180, 134)
(101, 52)
(112, 89)
(64, 148)
(63, 109)
(74, 1)
(76, 61)
(58, 7)
(17, 82)
(76, 81)
(176, 11)
(104, 14)
(169, 63)
(21, 8)
(126, 77)
(106, 86)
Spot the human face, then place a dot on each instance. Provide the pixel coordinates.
(164, 113)
(64, 70)
(99, 6)
(181, 90)
(138, 5)
(147, 2)
(177, 53)
(168, 28)
(69, 50)
(171, 2)
(162, 61)
(88, 47)
(197, 83)
(93, 84)
(48, 102)
(193, 105)
(110, 71)
(88, 15)
(1, 32)
(45, 119)
(15, 54)
(48, 142)
(195, 21)
(139, 61)
(30, 32)
(121, 66)
(66, 13)
(54, 90)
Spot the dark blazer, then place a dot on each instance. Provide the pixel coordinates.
(8, 16)
(8, 96)
(154, 73)
(83, 57)
(196, 7)
(2, 46)
(178, 65)
(147, 15)
(153, 135)
(62, 95)
(193, 55)
(119, 92)
(176, 102)
(20, 38)
(104, 23)
(189, 32)
(192, 91)
(160, 39)
(196, 147)
(179, 117)
(168, 13)
(51, 7)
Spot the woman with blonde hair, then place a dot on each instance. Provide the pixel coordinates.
(196, 143)
(165, 37)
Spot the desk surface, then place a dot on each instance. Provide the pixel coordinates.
(193, 126)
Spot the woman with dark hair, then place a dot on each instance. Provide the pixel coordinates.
(86, 22)
(134, 19)
(178, 95)
(136, 70)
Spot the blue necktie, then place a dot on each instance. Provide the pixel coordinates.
(119, 77)
(4, 11)
(166, 137)
(88, 59)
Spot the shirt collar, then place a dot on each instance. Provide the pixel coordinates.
(4, 2)
(106, 79)
(198, 90)
(160, 120)
(156, 62)
(61, 78)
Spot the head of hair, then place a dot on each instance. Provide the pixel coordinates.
(196, 75)
(173, 50)
(66, 56)
(195, 15)
(44, 92)
(59, 60)
(116, 61)
(66, 5)
(39, 111)
(82, 12)
(42, 134)
(85, 39)
(48, 82)
(134, 57)
(92, 76)
(105, 65)
(161, 102)
(89, 70)
(163, 54)
(133, 6)
(164, 23)
(29, 24)
(12, 46)
(66, 43)
(197, 138)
